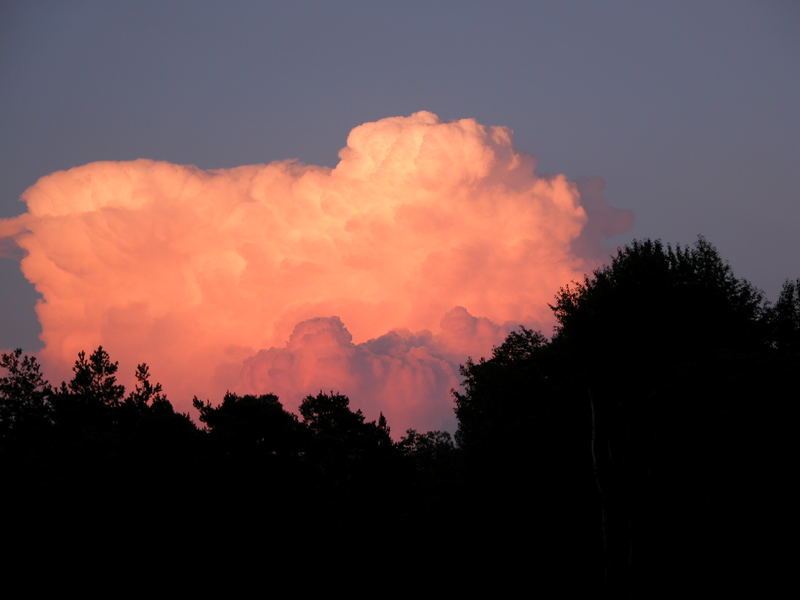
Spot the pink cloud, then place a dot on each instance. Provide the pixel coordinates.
(230, 278)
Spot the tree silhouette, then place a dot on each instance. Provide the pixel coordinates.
(433, 457)
(145, 394)
(354, 459)
(251, 424)
(85, 407)
(784, 319)
(24, 398)
(637, 452)
(338, 429)
(501, 396)
(94, 379)
(149, 426)
(651, 379)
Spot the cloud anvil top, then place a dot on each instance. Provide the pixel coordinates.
(428, 242)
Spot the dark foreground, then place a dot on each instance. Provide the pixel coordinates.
(643, 451)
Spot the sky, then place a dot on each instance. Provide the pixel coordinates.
(686, 110)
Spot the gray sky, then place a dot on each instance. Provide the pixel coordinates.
(688, 110)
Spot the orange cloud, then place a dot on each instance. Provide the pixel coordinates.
(427, 242)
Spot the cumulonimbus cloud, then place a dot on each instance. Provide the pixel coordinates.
(426, 243)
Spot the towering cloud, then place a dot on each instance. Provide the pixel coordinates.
(428, 242)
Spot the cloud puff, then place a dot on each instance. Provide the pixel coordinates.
(399, 373)
(288, 277)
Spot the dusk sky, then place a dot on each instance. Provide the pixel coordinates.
(687, 110)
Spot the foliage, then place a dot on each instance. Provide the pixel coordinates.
(660, 377)
(498, 401)
(653, 300)
(145, 394)
(431, 444)
(24, 395)
(251, 423)
(432, 453)
(95, 379)
(333, 424)
(652, 425)
(784, 319)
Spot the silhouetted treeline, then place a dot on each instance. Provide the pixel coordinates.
(88, 454)
(642, 451)
(645, 447)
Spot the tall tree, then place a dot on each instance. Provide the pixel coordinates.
(24, 397)
(87, 404)
(651, 376)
